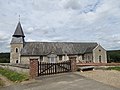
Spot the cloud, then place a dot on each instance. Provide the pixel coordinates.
(3, 37)
(83, 6)
(29, 30)
(62, 20)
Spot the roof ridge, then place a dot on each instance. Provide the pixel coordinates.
(59, 42)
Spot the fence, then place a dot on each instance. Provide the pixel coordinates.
(39, 68)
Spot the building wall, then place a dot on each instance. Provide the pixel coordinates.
(14, 56)
(26, 59)
(88, 57)
(97, 52)
(16, 68)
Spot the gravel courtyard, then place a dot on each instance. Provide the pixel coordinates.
(110, 77)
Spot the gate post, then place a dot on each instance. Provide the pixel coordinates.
(34, 68)
(73, 65)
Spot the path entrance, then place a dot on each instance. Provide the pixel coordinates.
(54, 68)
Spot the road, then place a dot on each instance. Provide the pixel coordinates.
(66, 81)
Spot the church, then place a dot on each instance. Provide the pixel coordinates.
(85, 52)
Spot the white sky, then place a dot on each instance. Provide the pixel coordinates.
(62, 20)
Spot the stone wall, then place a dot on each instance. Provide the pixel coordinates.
(88, 57)
(17, 68)
(14, 56)
(99, 51)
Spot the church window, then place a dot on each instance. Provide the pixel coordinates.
(52, 58)
(88, 57)
(99, 50)
(82, 57)
(41, 58)
(16, 61)
(100, 58)
(60, 57)
(16, 50)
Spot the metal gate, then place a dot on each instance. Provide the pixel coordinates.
(54, 68)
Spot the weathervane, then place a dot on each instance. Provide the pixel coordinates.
(19, 18)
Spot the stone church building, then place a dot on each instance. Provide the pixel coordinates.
(22, 51)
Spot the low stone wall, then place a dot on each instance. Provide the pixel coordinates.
(20, 68)
(98, 64)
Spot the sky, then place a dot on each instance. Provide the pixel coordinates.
(62, 21)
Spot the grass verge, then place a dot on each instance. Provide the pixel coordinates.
(13, 76)
(1, 82)
(114, 68)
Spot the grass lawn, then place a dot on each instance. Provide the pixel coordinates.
(114, 68)
(13, 76)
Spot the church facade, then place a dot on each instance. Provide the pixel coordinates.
(84, 52)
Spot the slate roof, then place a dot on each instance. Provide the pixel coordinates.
(17, 40)
(59, 48)
(18, 32)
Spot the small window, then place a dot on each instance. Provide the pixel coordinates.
(16, 50)
(100, 59)
(60, 57)
(16, 61)
(99, 50)
(41, 58)
(88, 57)
(52, 59)
(82, 57)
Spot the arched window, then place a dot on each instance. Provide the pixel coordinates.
(16, 61)
(100, 58)
(60, 57)
(52, 58)
(16, 50)
(41, 58)
(88, 57)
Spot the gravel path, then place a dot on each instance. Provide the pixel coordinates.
(110, 77)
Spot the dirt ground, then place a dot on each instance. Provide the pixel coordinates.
(110, 77)
(6, 81)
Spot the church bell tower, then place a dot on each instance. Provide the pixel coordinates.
(17, 43)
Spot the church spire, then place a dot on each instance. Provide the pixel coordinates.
(18, 32)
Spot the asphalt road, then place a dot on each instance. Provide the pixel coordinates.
(66, 81)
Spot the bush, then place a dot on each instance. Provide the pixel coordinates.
(4, 57)
(113, 56)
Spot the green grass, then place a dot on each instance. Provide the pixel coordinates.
(13, 76)
(114, 68)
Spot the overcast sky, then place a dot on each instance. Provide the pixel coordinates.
(62, 20)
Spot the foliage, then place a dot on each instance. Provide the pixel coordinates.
(114, 68)
(13, 76)
(113, 56)
(4, 57)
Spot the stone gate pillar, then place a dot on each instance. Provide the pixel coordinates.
(73, 64)
(34, 68)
